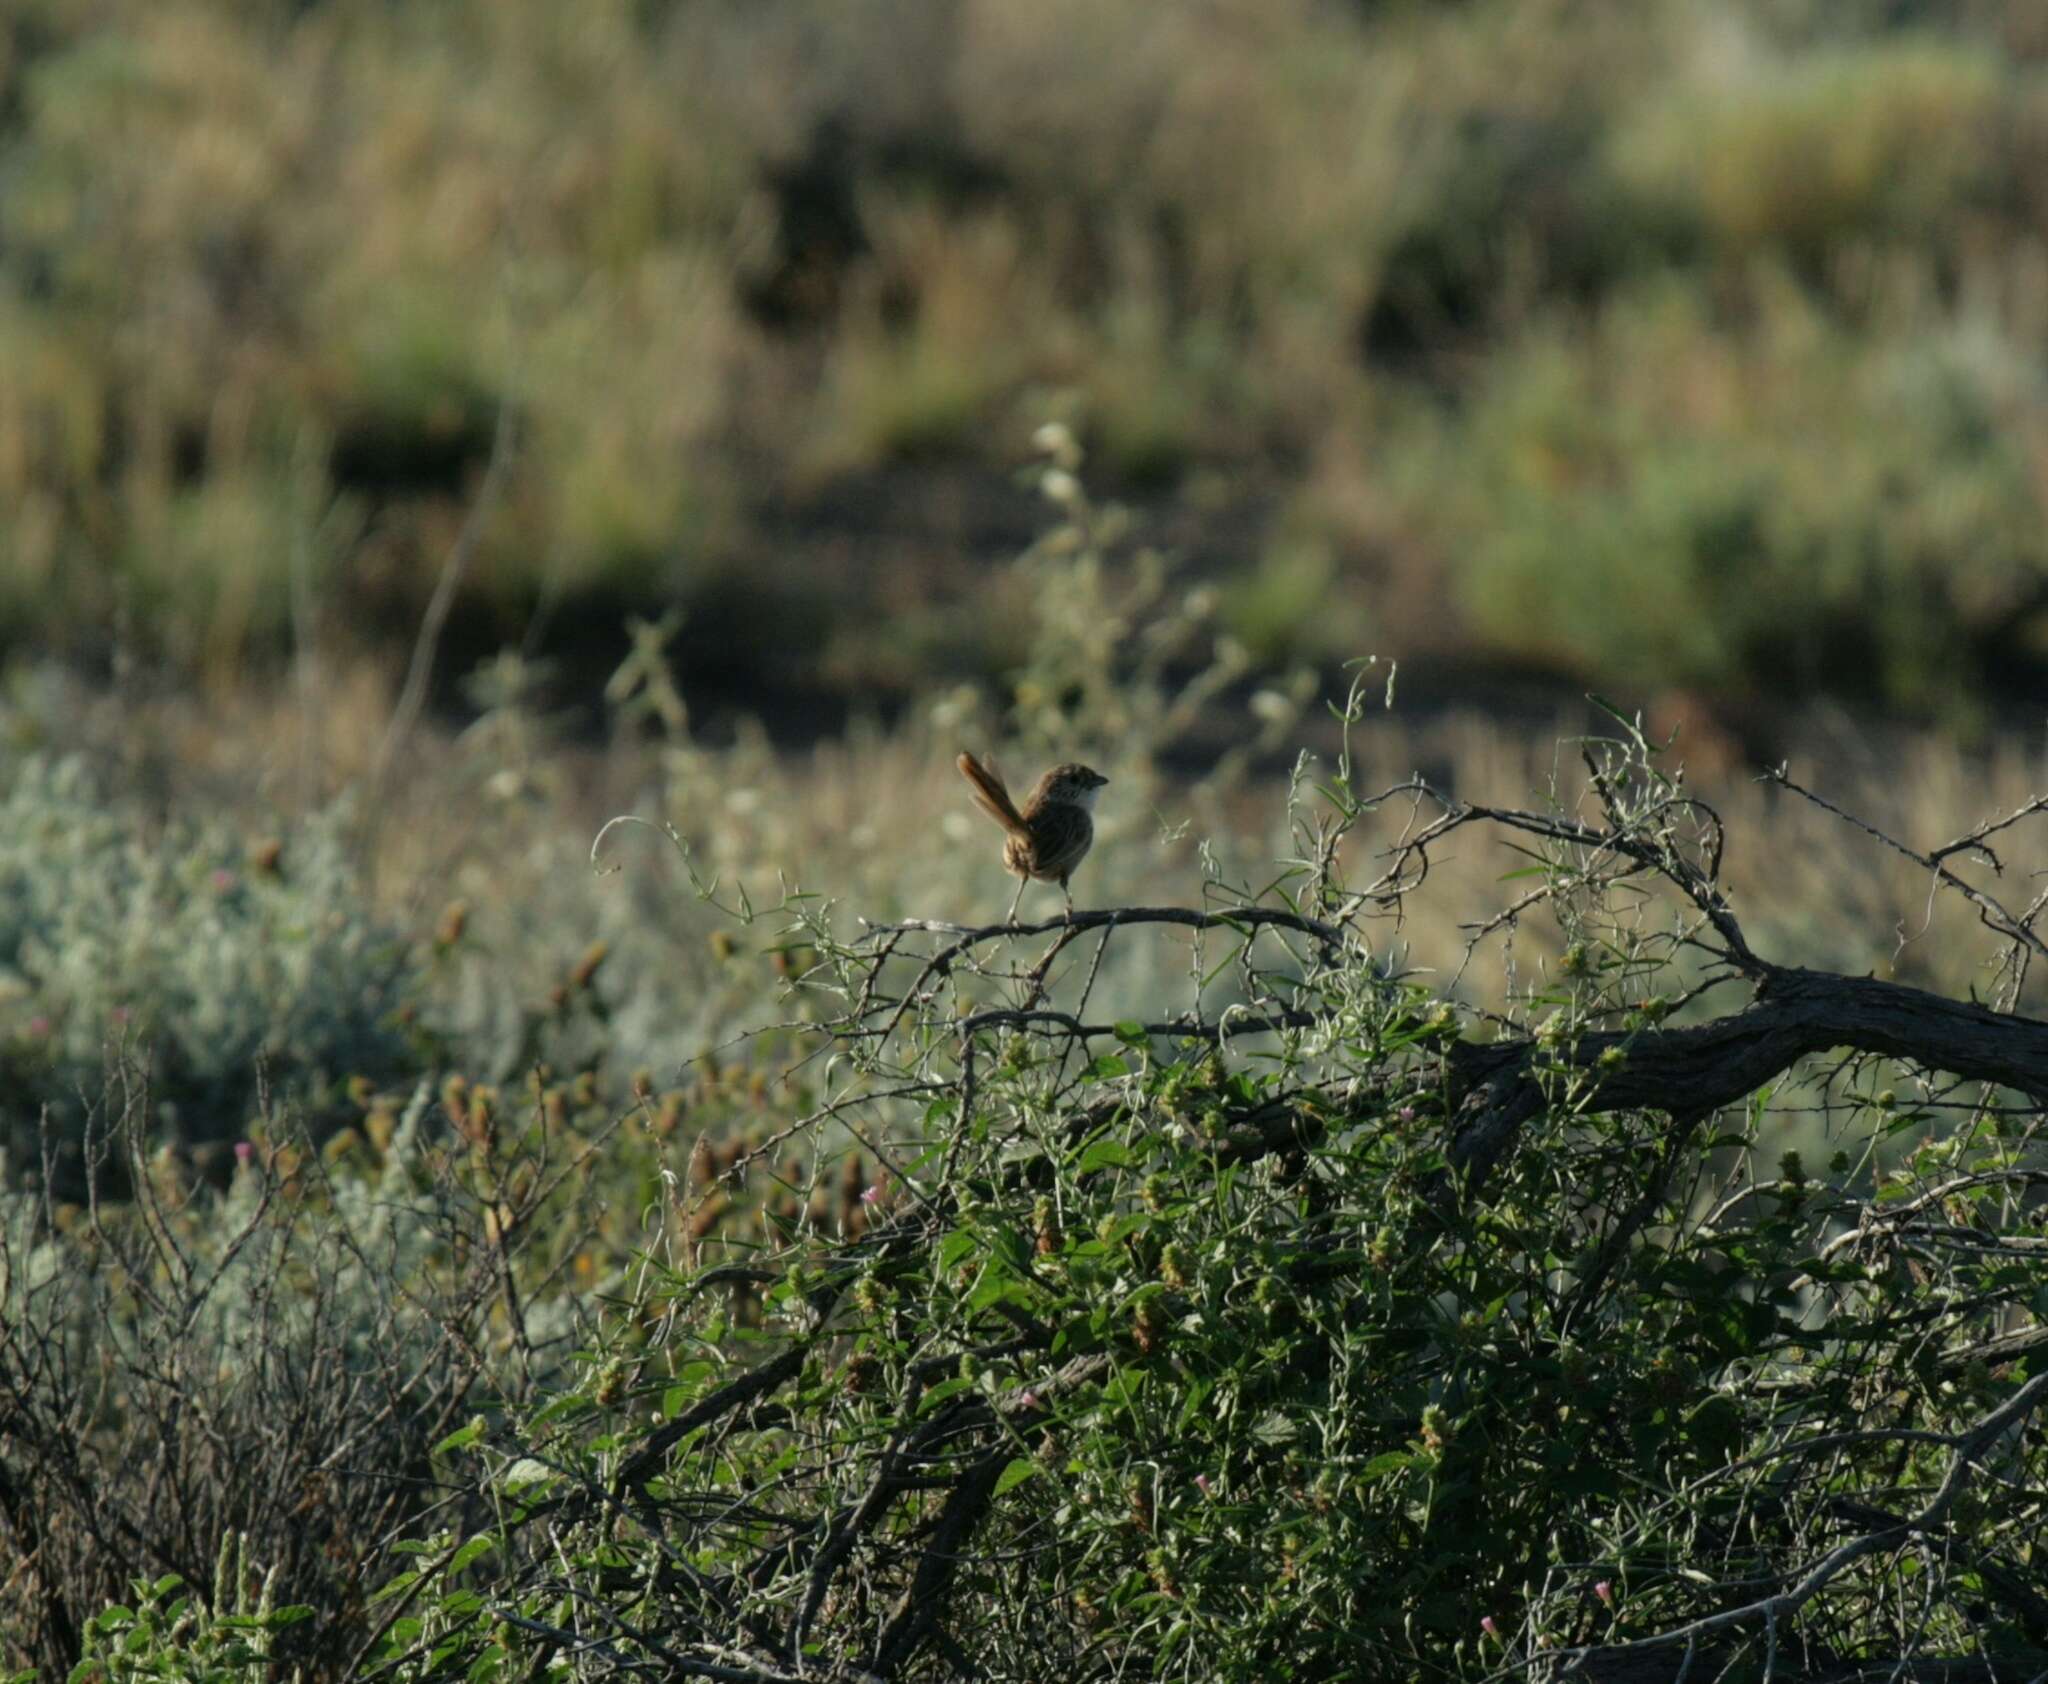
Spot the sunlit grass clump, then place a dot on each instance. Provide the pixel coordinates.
(1690, 504)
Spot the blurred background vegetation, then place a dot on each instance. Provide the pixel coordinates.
(1651, 344)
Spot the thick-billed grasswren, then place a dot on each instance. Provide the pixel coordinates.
(1050, 834)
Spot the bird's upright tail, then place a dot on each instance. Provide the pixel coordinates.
(991, 795)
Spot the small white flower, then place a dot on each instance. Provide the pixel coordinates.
(1056, 439)
(1060, 487)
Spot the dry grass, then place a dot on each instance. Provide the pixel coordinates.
(503, 815)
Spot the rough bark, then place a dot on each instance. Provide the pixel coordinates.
(1796, 1013)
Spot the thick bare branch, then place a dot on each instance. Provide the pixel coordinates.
(1699, 1068)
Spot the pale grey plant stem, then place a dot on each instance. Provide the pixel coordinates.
(426, 646)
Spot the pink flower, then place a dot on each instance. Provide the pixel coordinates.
(244, 1151)
(1202, 1483)
(1493, 1631)
(223, 880)
(1027, 1399)
(38, 1028)
(872, 1194)
(1605, 1591)
(1406, 1113)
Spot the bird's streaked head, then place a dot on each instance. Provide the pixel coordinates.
(1073, 784)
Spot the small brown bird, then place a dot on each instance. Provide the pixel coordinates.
(1051, 833)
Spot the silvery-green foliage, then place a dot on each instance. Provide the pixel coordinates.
(166, 941)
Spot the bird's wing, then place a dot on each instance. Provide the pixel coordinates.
(1062, 837)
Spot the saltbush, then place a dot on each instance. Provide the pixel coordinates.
(211, 956)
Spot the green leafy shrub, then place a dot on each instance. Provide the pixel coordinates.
(171, 1634)
(1282, 1329)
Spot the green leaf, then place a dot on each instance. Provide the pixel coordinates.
(1105, 1153)
(470, 1551)
(1122, 1387)
(1015, 1473)
(1107, 1066)
(936, 1395)
(461, 1438)
(1387, 1462)
(525, 1474)
(997, 1287)
(1625, 721)
(1008, 1247)
(1276, 1428)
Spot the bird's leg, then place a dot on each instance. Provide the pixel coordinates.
(1069, 893)
(1017, 900)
